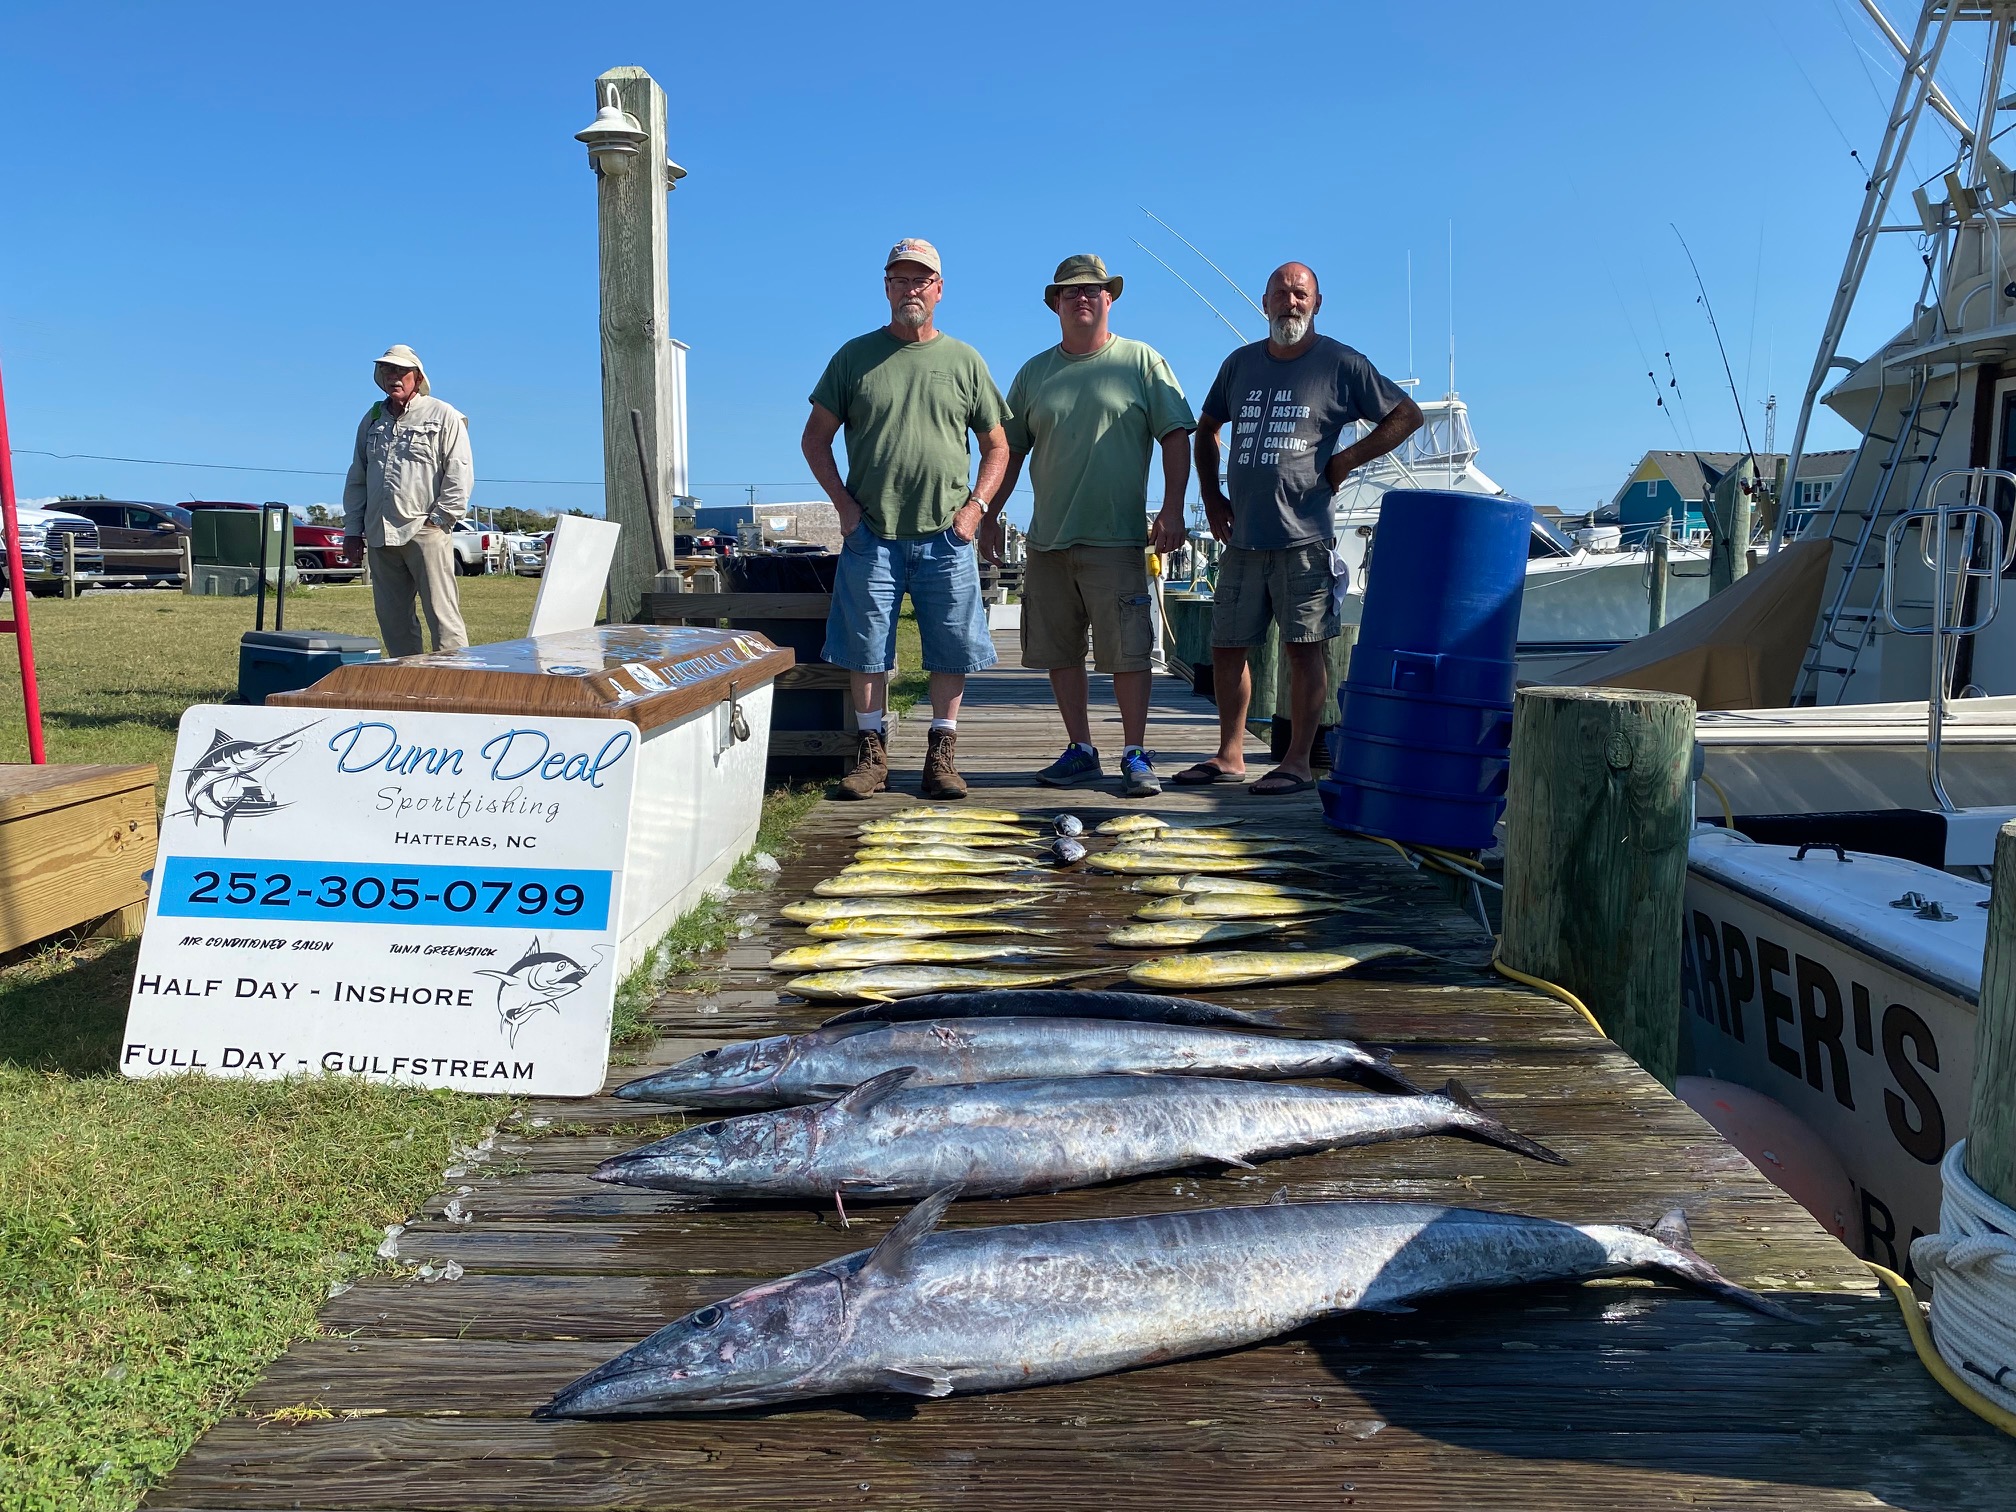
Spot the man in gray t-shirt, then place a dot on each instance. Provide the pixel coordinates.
(1287, 399)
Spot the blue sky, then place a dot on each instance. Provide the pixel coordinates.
(216, 215)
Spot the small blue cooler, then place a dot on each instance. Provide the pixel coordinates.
(280, 661)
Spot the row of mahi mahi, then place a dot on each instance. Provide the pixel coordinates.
(1016, 1090)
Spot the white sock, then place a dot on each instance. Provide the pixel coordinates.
(944, 724)
(868, 721)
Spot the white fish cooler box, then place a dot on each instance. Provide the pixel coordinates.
(435, 870)
(699, 698)
(1842, 985)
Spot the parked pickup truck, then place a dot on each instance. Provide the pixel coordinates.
(478, 549)
(42, 532)
(134, 534)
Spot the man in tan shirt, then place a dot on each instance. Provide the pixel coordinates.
(409, 484)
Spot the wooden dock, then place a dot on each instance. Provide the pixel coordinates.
(1621, 1394)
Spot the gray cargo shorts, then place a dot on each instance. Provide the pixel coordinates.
(1290, 586)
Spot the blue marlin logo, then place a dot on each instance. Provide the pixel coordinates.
(223, 782)
(538, 979)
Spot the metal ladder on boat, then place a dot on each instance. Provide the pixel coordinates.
(1979, 557)
(1860, 587)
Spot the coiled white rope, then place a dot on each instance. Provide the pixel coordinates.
(1971, 1265)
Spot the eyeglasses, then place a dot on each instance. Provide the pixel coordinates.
(897, 281)
(1081, 291)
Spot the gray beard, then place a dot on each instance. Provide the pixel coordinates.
(1288, 329)
(911, 316)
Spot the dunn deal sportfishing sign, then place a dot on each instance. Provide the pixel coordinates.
(422, 898)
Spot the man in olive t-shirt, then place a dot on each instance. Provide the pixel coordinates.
(906, 396)
(1088, 414)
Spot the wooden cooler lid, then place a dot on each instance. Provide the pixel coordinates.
(647, 674)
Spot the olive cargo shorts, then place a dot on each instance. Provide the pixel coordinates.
(1290, 586)
(1100, 589)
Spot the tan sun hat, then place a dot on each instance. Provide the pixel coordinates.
(1084, 268)
(401, 355)
(913, 249)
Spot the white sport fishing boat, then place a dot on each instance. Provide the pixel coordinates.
(1585, 592)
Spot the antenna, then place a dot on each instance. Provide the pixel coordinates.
(1193, 289)
(1207, 261)
(1452, 308)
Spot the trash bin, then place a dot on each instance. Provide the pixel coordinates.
(280, 661)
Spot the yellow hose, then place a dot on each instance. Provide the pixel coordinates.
(1933, 1361)
(1728, 814)
(1552, 989)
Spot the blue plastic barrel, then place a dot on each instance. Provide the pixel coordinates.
(1422, 751)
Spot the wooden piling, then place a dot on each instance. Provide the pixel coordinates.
(1596, 821)
(1662, 544)
(1991, 1136)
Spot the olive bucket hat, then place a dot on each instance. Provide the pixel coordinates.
(1084, 268)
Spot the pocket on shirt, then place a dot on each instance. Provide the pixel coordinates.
(418, 443)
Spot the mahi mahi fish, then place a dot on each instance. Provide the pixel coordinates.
(937, 851)
(1056, 1002)
(1233, 906)
(1162, 843)
(1256, 968)
(838, 955)
(897, 927)
(894, 858)
(985, 1309)
(910, 981)
(926, 813)
(1175, 863)
(812, 910)
(1169, 887)
(1136, 824)
(888, 884)
(894, 1142)
(785, 1069)
(957, 834)
(1177, 932)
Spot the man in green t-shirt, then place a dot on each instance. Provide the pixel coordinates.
(907, 395)
(1089, 413)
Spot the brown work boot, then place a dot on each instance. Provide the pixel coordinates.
(941, 774)
(871, 767)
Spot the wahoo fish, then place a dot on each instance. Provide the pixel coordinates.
(817, 910)
(898, 927)
(892, 1141)
(908, 981)
(838, 955)
(929, 813)
(888, 884)
(1176, 932)
(986, 1309)
(786, 1069)
(1233, 906)
(1251, 968)
(1054, 1002)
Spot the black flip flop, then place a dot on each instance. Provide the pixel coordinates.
(1203, 774)
(1279, 784)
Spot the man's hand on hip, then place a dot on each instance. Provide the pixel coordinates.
(966, 523)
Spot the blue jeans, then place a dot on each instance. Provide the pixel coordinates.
(941, 575)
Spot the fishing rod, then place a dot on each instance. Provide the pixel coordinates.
(1727, 372)
(1206, 261)
(1192, 287)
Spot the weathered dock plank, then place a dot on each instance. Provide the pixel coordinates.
(1623, 1393)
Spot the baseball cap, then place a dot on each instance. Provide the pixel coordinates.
(914, 249)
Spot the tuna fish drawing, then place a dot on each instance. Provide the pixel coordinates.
(927, 1314)
(223, 783)
(537, 980)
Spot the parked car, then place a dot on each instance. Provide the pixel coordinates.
(527, 553)
(477, 548)
(132, 533)
(42, 532)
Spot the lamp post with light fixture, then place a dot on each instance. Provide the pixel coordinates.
(643, 369)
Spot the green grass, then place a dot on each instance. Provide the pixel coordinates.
(910, 682)
(116, 670)
(708, 927)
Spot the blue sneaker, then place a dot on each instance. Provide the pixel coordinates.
(1137, 774)
(1073, 769)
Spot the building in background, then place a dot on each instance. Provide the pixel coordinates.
(816, 523)
(1677, 483)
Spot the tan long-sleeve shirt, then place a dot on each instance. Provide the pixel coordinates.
(408, 470)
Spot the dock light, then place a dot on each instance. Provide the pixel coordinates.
(673, 173)
(613, 137)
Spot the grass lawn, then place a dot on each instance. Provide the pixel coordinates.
(161, 1241)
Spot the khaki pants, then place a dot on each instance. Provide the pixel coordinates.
(424, 566)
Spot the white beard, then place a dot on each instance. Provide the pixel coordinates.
(911, 315)
(1288, 329)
